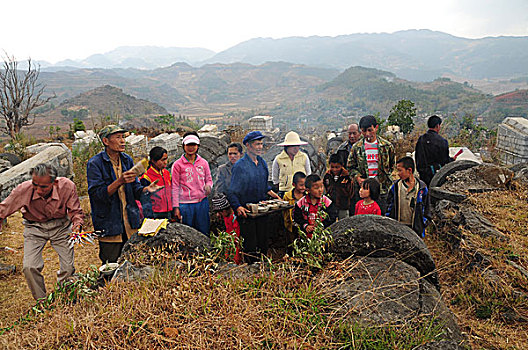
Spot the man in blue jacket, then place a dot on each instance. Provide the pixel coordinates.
(249, 184)
(113, 190)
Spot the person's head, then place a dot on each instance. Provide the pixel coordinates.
(370, 188)
(292, 150)
(191, 143)
(353, 133)
(314, 185)
(405, 168)
(434, 122)
(113, 138)
(253, 142)
(158, 157)
(292, 143)
(369, 127)
(221, 205)
(299, 179)
(43, 178)
(336, 164)
(234, 152)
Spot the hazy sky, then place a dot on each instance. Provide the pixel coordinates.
(58, 29)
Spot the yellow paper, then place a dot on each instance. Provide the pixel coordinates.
(151, 227)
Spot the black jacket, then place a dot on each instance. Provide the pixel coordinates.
(432, 153)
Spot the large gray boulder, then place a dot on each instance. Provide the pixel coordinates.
(377, 236)
(56, 154)
(213, 148)
(176, 238)
(452, 214)
(127, 272)
(441, 176)
(383, 291)
(477, 179)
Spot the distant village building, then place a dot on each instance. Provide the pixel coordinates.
(261, 122)
(512, 140)
(393, 132)
(208, 128)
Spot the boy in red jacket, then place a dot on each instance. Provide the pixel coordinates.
(308, 209)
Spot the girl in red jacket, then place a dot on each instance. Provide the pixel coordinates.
(369, 193)
(161, 200)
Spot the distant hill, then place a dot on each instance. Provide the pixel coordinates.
(416, 55)
(513, 103)
(182, 88)
(108, 99)
(95, 105)
(141, 57)
(359, 91)
(297, 95)
(419, 55)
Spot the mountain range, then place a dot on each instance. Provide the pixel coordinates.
(417, 55)
(296, 95)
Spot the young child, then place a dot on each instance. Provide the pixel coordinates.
(224, 211)
(369, 193)
(160, 201)
(191, 184)
(339, 186)
(309, 207)
(292, 197)
(408, 200)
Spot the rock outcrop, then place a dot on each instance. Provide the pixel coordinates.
(56, 154)
(382, 237)
(176, 238)
(387, 291)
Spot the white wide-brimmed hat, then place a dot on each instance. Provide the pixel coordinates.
(292, 139)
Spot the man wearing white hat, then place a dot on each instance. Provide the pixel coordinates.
(288, 162)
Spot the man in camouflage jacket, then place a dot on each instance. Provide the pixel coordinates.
(357, 159)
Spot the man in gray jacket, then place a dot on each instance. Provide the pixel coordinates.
(223, 175)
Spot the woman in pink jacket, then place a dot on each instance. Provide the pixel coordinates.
(191, 184)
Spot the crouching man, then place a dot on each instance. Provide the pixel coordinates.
(51, 211)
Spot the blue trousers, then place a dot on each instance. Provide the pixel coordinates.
(196, 215)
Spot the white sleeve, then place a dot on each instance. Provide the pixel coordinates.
(275, 171)
(307, 166)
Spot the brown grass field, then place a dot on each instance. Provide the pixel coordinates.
(282, 310)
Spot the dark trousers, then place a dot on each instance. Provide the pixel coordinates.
(382, 202)
(162, 215)
(254, 231)
(110, 252)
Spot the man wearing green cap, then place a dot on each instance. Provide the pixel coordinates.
(113, 190)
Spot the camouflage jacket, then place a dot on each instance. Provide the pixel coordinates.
(357, 162)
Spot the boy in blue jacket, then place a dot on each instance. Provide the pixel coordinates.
(408, 198)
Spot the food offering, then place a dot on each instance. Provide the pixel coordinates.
(267, 207)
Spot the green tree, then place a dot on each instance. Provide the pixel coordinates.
(78, 125)
(402, 114)
(166, 120)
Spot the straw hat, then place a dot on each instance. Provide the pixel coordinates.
(292, 139)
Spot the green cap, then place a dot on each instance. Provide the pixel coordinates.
(109, 130)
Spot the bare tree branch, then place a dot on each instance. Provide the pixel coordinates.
(20, 94)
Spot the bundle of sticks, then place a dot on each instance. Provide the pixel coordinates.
(79, 237)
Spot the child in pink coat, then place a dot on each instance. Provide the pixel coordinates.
(191, 184)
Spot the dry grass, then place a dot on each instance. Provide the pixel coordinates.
(490, 302)
(278, 309)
